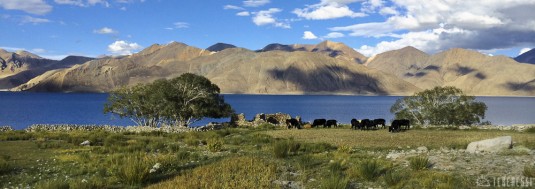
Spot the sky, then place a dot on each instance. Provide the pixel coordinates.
(58, 28)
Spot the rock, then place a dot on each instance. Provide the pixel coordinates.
(85, 143)
(422, 149)
(490, 145)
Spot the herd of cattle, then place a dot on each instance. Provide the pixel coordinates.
(365, 124)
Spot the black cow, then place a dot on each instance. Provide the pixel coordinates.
(406, 124)
(319, 122)
(355, 124)
(397, 125)
(380, 122)
(367, 124)
(331, 122)
(293, 123)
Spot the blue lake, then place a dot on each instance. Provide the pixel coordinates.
(22, 109)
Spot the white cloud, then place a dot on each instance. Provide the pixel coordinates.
(437, 25)
(255, 3)
(33, 20)
(38, 50)
(265, 17)
(523, 50)
(232, 7)
(70, 2)
(94, 2)
(38, 7)
(328, 9)
(333, 35)
(243, 13)
(181, 25)
(105, 30)
(123, 48)
(309, 35)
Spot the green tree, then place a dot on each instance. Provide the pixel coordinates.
(180, 101)
(440, 106)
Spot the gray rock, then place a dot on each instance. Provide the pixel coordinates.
(85, 143)
(490, 145)
(422, 149)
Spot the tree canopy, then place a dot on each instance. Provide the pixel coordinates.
(440, 106)
(180, 101)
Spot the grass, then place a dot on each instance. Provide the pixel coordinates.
(233, 158)
(419, 163)
(384, 140)
(529, 171)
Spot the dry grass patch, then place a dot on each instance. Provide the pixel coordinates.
(235, 172)
(382, 139)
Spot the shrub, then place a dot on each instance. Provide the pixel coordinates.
(529, 171)
(293, 146)
(335, 182)
(115, 140)
(317, 147)
(133, 169)
(336, 169)
(52, 184)
(419, 163)
(215, 145)
(530, 130)
(280, 149)
(370, 170)
(393, 177)
(4, 166)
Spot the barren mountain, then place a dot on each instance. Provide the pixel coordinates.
(471, 71)
(527, 57)
(332, 49)
(19, 67)
(234, 70)
(219, 47)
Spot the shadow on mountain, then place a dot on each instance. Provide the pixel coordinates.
(328, 79)
(431, 67)
(516, 86)
(481, 76)
(463, 70)
(420, 74)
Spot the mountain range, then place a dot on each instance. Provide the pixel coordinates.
(324, 68)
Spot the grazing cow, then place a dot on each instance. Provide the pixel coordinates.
(367, 124)
(319, 122)
(355, 124)
(406, 124)
(293, 123)
(331, 122)
(395, 126)
(380, 122)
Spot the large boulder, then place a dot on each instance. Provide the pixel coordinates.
(491, 145)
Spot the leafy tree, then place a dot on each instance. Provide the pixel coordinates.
(180, 101)
(440, 106)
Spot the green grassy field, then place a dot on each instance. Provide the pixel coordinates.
(231, 158)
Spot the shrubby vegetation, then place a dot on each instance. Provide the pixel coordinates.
(179, 102)
(440, 106)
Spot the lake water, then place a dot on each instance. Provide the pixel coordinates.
(22, 109)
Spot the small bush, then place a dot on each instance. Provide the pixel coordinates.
(335, 182)
(4, 166)
(393, 177)
(52, 184)
(530, 130)
(529, 171)
(183, 155)
(419, 163)
(336, 169)
(317, 147)
(215, 145)
(370, 170)
(293, 146)
(133, 169)
(280, 149)
(115, 140)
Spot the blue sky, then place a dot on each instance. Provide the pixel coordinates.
(57, 28)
